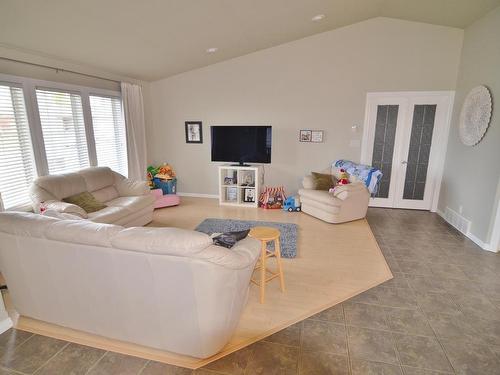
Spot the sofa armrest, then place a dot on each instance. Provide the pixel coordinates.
(66, 208)
(308, 182)
(242, 255)
(129, 188)
(354, 189)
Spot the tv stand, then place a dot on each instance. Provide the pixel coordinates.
(239, 185)
(240, 165)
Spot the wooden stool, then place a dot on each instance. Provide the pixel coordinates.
(266, 235)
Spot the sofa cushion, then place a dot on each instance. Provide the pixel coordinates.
(67, 208)
(97, 178)
(110, 214)
(128, 188)
(132, 203)
(25, 223)
(83, 232)
(106, 194)
(62, 185)
(323, 181)
(320, 196)
(172, 241)
(86, 201)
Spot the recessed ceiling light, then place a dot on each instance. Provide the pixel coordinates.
(212, 50)
(318, 17)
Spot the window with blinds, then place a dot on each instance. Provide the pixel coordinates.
(63, 128)
(109, 132)
(17, 167)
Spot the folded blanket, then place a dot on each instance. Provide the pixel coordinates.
(369, 175)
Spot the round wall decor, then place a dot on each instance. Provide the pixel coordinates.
(475, 116)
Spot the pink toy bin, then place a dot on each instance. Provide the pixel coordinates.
(166, 200)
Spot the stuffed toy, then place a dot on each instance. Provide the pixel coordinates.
(165, 172)
(343, 177)
(151, 171)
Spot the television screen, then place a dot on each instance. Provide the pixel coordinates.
(241, 144)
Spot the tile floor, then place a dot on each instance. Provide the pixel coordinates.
(439, 315)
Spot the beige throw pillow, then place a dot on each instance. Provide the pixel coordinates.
(86, 201)
(323, 181)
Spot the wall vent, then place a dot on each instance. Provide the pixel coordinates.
(457, 220)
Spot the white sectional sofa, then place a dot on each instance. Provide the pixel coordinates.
(165, 288)
(129, 203)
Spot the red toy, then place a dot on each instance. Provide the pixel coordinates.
(344, 177)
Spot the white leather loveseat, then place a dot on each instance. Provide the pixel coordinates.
(164, 288)
(129, 203)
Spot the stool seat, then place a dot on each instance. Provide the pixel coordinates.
(266, 235)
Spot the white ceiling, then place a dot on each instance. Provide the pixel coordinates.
(154, 39)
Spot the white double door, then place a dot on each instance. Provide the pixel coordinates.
(405, 136)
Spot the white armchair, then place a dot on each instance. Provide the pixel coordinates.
(346, 203)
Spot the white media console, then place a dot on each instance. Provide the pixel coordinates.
(239, 185)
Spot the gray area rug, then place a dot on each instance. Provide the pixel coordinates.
(288, 231)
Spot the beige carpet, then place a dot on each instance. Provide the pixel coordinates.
(334, 263)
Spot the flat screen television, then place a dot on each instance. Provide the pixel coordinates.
(241, 144)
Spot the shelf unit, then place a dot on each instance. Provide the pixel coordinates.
(238, 184)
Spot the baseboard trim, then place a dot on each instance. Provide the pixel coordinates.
(198, 195)
(483, 245)
(5, 325)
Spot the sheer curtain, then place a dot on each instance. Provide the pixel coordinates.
(133, 109)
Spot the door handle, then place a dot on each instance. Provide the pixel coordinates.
(404, 162)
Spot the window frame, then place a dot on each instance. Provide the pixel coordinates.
(29, 87)
(94, 93)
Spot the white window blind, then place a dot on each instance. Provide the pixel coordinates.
(109, 132)
(17, 167)
(63, 128)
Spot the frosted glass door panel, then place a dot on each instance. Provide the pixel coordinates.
(383, 145)
(418, 154)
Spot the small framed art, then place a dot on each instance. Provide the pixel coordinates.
(317, 136)
(194, 132)
(305, 136)
(249, 195)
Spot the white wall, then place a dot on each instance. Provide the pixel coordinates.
(472, 174)
(318, 82)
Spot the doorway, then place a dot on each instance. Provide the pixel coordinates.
(405, 135)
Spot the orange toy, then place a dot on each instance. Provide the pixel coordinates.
(165, 172)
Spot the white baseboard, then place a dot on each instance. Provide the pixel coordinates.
(5, 325)
(198, 195)
(483, 245)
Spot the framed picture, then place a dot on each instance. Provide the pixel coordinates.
(228, 181)
(247, 179)
(231, 194)
(305, 136)
(317, 136)
(249, 195)
(194, 133)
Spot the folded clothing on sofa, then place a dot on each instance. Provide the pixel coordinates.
(371, 176)
(229, 239)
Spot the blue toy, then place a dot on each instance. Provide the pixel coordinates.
(292, 204)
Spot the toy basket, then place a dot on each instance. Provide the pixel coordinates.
(167, 186)
(272, 197)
